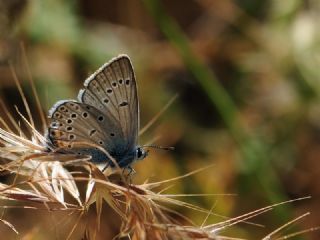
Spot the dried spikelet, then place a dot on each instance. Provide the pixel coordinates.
(41, 177)
(47, 180)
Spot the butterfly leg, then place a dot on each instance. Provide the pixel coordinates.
(131, 170)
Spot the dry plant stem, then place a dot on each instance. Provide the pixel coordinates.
(284, 226)
(25, 103)
(299, 233)
(33, 88)
(156, 117)
(9, 225)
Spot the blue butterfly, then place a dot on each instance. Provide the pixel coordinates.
(104, 122)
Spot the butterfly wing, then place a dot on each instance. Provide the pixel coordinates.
(79, 128)
(107, 114)
(112, 90)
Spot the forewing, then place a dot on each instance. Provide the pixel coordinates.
(77, 127)
(112, 90)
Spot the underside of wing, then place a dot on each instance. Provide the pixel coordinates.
(112, 90)
(81, 128)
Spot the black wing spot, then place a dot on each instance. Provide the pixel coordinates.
(69, 121)
(109, 90)
(100, 142)
(120, 81)
(69, 129)
(74, 115)
(72, 104)
(54, 124)
(123, 104)
(71, 137)
(93, 131)
(100, 118)
(63, 108)
(106, 100)
(57, 115)
(77, 107)
(85, 114)
(69, 146)
(88, 107)
(52, 133)
(114, 84)
(112, 134)
(127, 82)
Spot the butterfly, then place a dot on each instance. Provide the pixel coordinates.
(104, 122)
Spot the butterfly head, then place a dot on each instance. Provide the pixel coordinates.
(141, 153)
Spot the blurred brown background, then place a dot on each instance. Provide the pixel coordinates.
(248, 79)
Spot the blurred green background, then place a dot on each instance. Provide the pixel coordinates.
(248, 79)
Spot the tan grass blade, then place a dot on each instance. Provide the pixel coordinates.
(33, 88)
(156, 117)
(9, 225)
(270, 235)
(23, 97)
(10, 117)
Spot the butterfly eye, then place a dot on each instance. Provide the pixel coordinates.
(141, 153)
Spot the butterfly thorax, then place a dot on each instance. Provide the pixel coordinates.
(126, 159)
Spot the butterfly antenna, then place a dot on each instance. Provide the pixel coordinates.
(159, 147)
